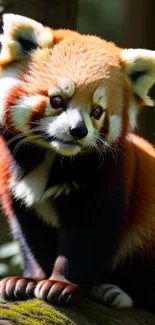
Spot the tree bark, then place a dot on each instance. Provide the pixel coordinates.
(138, 32)
(36, 312)
(53, 13)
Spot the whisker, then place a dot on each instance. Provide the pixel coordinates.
(21, 142)
(18, 136)
(112, 150)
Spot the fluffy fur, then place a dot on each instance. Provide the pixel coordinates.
(78, 188)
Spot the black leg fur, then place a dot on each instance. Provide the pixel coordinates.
(136, 276)
(38, 252)
(38, 241)
(90, 222)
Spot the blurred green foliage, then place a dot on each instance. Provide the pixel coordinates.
(10, 261)
(103, 18)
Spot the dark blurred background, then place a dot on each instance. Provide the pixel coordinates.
(128, 23)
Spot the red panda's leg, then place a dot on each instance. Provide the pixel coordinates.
(17, 288)
(112, 296)
(37, 252)
(21, 287)
(87, 241)
(136, 279)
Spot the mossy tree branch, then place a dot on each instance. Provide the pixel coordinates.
(35, 312)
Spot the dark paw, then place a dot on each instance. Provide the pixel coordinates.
(57, 292)
(17, 288)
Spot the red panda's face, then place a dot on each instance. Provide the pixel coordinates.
(80, 110)
(71, 93)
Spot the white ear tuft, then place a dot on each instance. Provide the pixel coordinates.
(21, 35)
(140, 67)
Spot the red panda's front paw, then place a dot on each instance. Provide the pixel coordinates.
(57, 292)
(17, 288)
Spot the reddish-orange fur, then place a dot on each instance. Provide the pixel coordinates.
(11, 100)
(139, 184)
(6, 165)
(38, 112)
(101, 63)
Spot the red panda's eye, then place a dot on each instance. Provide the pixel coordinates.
(97, 112)
(57, 102)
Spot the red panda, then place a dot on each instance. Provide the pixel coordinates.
(77, 186)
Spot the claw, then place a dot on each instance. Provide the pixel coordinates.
(57, 292)
(17, 288)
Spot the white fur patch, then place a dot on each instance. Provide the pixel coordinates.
(59, 189)
(21, 113)
(29, 29)
(31, 188)
(9, 78)
(67, 86)
(112, 296)
(132, 116)
(99, 97)
(141, 60)
(58, 127)
(141, 55)
(66, 149)
(74, 117)
(115, 128)
(46, 210)
(12, 20)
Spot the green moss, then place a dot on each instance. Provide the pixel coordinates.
(87, 312)
(33, 312)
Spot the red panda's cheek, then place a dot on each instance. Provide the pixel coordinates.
(115, 129)
(25, 113)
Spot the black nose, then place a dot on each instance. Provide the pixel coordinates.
(79, 131)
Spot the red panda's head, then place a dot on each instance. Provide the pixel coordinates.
(67, 91)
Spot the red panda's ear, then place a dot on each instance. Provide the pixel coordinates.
(20, 36)
(139, 65)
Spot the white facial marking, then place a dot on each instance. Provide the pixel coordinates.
(115, 128)
(9, 79)
(74, 117)
(99, 97)
(66, 149)
(132, 116)
(57, 126)
(112, 296)
(67, 86)
(54, 92)
(21, 113)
